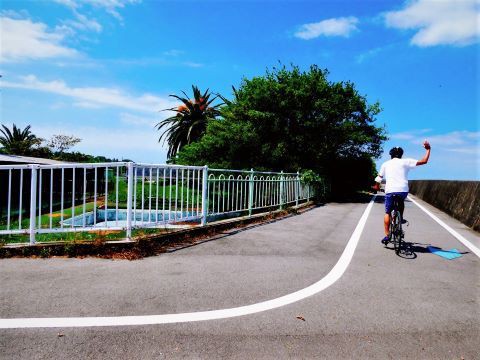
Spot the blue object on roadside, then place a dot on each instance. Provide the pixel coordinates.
(447, 254)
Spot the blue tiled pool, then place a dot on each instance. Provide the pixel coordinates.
(113, 217)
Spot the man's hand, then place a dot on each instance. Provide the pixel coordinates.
(426, 145)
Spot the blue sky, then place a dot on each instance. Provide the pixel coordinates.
(102, 69)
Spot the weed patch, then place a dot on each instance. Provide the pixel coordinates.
(45, 252)
(69, 250)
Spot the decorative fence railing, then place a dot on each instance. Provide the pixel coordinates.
(36, 199)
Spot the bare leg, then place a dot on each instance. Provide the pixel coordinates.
(386, 223)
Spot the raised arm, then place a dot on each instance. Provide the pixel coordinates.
(424, 160)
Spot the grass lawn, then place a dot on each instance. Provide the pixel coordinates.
(56, 217)
(104, 235)
(191, 194)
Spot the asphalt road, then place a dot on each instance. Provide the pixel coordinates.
(382, 307)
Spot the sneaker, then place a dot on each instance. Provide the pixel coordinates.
(404, 221)
(385, 240)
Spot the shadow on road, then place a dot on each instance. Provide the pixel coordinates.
(358, 198)
(410, 250)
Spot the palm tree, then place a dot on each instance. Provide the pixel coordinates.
(190, 121)
(17, 141)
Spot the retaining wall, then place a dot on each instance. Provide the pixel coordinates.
(460, 199)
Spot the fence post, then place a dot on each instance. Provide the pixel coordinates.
(33, 202)
(129, 199)
(251, 186)
(281, 189)
(297, 188)
(205, 195)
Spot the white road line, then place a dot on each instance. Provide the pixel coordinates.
(459, 237)
(334, 274)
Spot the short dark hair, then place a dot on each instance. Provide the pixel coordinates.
(396, 152)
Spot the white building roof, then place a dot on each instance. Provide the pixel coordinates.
(27, 160)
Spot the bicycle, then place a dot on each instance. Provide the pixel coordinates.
(396, 234)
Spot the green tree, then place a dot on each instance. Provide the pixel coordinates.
(59, 143)
(190, 121)
(291, 119)
(18, 141)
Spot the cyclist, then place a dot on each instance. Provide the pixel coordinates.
(395, 171)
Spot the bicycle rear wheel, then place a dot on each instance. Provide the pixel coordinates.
(396, 230)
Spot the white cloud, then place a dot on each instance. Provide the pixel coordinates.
(403, 136)
(94, 96)
(466, 150)
(463, 141)
(110, 6)
(368, 54)
(150, 61)
(192, 64)
(139, 144)
(410, 135)
(173, 52)
(87, 105)
(13, 14)
(135, 120)
(84, 23)
(452, 140)
(69, 3)
(446, 22)
(118, 140)
(26, 40)
(342, 26)
(57, 105)
(155, 61)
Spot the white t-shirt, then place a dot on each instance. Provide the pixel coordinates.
(395, 172)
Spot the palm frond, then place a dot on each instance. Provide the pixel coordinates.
(190, 121)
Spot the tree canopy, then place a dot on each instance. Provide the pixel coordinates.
(290, 120)
(60, 142)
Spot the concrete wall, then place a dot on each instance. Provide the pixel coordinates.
(460, 199)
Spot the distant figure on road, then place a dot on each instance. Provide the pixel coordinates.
(395, 171)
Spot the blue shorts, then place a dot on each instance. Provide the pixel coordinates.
(389, 200)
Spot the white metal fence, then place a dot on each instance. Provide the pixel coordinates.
(36, 199)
